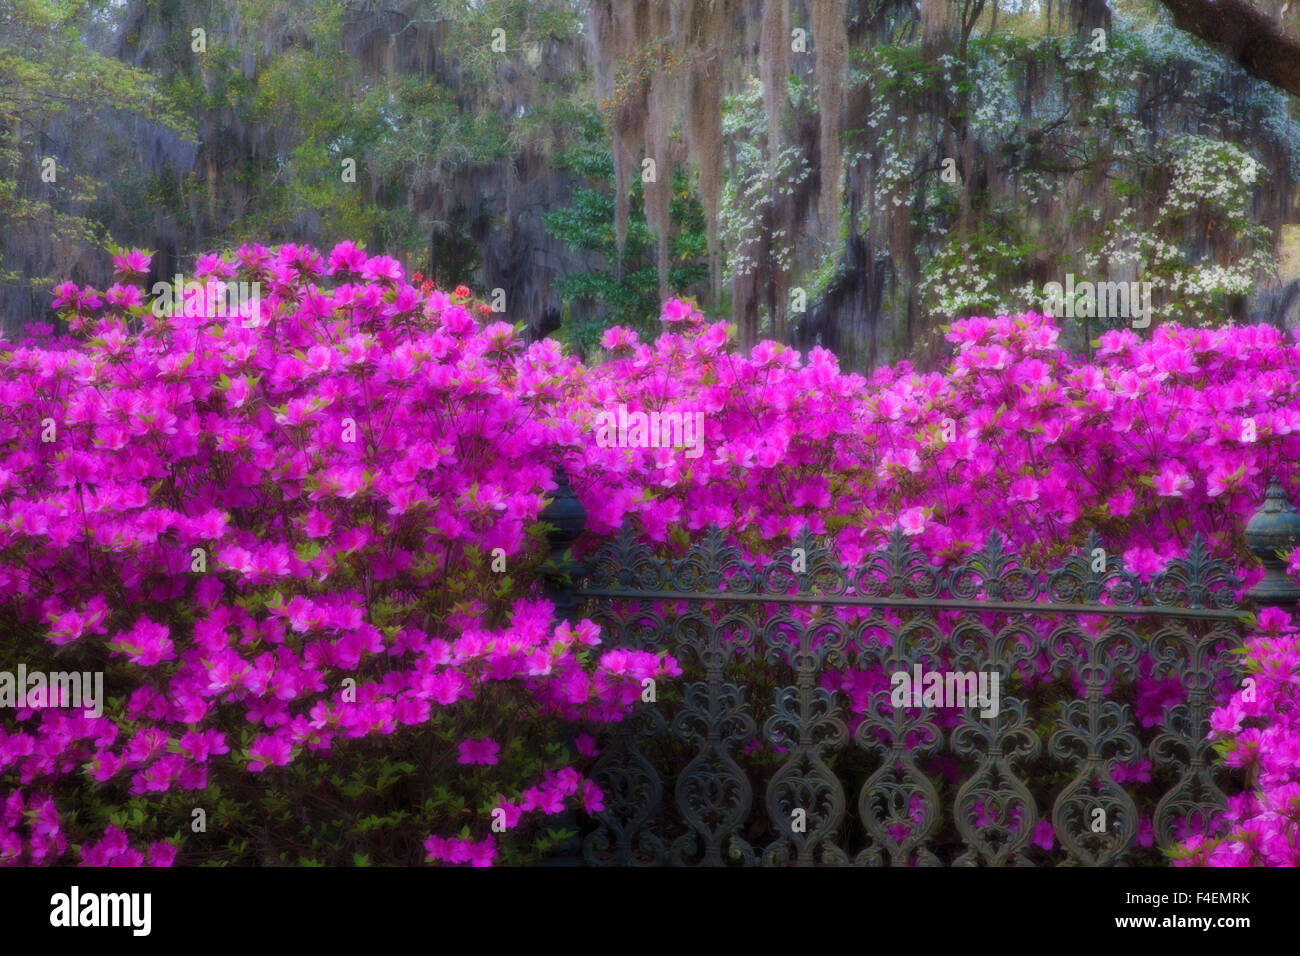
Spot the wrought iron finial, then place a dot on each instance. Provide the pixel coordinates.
(1274, 527)
(568, 519)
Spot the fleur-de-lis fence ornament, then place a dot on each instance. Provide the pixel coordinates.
(769, 778)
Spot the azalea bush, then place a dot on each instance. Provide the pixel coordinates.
(1258, 729)
(299, 542)
(1151, 442)
(303, 541)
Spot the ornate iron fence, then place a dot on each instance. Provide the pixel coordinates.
(780, 743)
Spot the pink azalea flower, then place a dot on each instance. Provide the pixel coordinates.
(478, 751)
(1171, 481)
(913, 521)
(675, 310)
(1044, 835)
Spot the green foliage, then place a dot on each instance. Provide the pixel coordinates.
(608, 295)
(48, 73)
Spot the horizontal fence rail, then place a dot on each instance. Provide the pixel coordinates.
(780, 744)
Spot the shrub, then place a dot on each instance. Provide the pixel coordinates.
(274, 533)
(301, 541)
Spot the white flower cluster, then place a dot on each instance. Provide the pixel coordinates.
(748, 193)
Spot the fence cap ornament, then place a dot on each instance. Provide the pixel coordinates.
(564, 510)
(568, 519)
(1274, 527)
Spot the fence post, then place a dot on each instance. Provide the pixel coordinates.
(1274, 527)
(568, 519)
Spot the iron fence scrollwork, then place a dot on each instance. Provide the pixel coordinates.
(781, 743)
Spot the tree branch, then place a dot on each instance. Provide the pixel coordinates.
(1248, 35)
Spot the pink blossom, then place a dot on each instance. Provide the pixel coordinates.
(478, 751)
